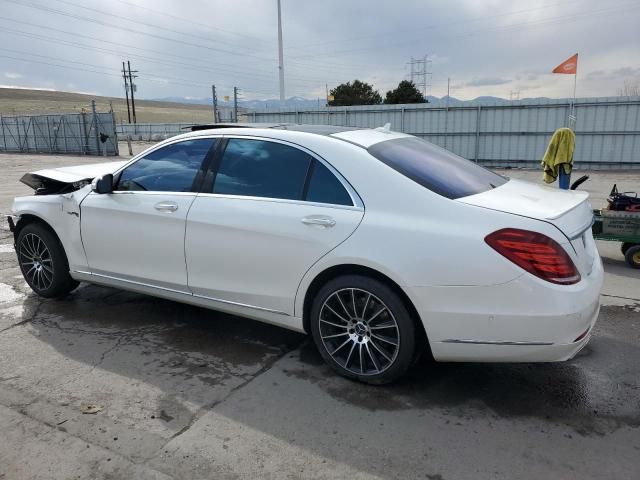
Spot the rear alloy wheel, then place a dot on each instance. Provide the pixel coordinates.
(632, 256)
(43, 262)
(363, 329)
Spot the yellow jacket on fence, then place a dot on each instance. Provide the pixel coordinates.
(559, 153)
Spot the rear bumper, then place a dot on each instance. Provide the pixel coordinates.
(525, 320)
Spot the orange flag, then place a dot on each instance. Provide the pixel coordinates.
(569, 66)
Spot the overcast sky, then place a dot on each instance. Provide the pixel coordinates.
(486, 47)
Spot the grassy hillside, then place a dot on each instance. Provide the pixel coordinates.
(18, 101)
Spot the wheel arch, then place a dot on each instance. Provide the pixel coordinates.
(30, 218)
(355, 269)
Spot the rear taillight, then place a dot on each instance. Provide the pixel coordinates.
(536, 253)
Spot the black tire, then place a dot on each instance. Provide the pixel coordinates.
(632, 256)
(43, 261)
(366, 316)
(626, 246)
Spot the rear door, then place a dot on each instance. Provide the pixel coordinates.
(270, 211)
(136, 233)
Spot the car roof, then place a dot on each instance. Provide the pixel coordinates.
(363, 137)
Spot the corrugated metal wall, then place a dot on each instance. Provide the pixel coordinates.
(500, 135)
(151, 131)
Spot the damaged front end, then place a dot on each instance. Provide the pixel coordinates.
(60, 181)
(49, 186)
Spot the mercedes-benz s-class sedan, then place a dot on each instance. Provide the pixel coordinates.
(379, 244)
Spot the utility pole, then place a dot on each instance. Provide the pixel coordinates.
(214, 98)
(133, 87)
(235, 104)
(126, 90)
(280, 55)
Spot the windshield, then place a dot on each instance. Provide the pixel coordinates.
(435, 168)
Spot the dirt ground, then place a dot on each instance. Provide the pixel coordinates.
(18, 101)
(183, 392)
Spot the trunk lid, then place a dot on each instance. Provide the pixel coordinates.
(568, 210)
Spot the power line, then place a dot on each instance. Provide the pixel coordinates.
(146, 24)
(190, 21)
(131, 30)
(377, 35)
(548, 21)
(163, 61)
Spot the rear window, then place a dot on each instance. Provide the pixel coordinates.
(435, 168)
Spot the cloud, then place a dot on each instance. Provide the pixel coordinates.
(487, 81)
(626, 72)
(12, 75)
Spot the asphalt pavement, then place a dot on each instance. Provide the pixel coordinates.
(182, 392)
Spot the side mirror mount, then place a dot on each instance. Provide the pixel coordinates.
(103, 184)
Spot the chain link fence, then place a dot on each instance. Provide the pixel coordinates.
(85, 133)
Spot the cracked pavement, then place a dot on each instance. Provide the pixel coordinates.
(191, 393)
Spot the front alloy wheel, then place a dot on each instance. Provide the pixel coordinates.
(43, 261)
(35, 261)
(363, 329)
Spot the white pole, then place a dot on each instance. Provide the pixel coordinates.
(280, 55)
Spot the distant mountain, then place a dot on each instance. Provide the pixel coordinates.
(306, 103)
(291, 102)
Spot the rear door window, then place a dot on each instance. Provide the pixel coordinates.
(258, 168)
(324, 187)
(435, 168)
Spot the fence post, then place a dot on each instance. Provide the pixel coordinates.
(402, 119)
(4, 139)
(64, 133)
(49, 134)
(82, 123)
(475, 157)
(115, 133)
(96, 125)
(18, 132)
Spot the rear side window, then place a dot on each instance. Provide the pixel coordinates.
(324, 187)
(169, 169)
(435, 168)
(258, 168)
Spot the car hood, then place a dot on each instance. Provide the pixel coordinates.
(77, 176)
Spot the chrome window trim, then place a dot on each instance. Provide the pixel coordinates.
(162, 144)
(355, 198)
(282, 200)
(146, 192)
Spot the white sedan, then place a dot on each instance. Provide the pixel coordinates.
(379, 244)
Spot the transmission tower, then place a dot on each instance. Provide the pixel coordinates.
(421, 74)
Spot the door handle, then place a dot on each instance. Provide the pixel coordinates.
(166, 207)
(319, 220)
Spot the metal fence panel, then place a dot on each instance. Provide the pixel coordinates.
(75, 133)
(502, 135)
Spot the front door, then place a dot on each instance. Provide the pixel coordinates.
(136, 233)
(271, 212)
